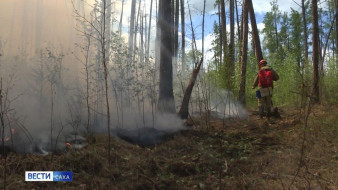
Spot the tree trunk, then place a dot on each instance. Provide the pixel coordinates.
(136, 31)
(306, 47)
(131, 30)
(193, 41)
(315, 49)
(120, 24)
(105, 68)
(183, 35)
(336, 18)
(177, 10)
(232, 38)
(149, 30)
(184, 110)
(244, 53)
(238, 26)
(224, 31)
(108, 29)
(220, 36)
(255, 35)
(158, 37)
(166, 96)
(203, 17)
(176, 15)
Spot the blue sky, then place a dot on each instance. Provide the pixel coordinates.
(260, 7)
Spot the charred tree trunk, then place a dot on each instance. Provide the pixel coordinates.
(244, 53)
(184, 110)
(255, 35)
(166, 96)
(315, 49)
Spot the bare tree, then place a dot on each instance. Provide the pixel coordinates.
(244, 52)
(103, 40)
(120, 24)
(315, 50)
(149, 29)
(131, 30)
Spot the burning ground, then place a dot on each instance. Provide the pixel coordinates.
(229, 154)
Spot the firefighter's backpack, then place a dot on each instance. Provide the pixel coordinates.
(265, 78)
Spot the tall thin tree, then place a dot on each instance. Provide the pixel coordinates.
(121, 16)
(255, 35)
(336, 18)
(244, 53)
(131, 29)
(306, 47)
(224, 31)
(315, 50)
(183, 35)
(149, 29)
(232, 38)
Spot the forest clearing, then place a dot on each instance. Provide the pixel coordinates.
(231, 154)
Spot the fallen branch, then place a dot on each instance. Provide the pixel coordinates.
(184, 110)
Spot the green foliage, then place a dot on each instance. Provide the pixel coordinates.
(330, 81)
(287, 87)
(283, 47)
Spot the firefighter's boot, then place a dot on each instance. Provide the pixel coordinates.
(268, 112)
(261, 111)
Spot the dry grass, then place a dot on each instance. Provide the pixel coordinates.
(250, 154)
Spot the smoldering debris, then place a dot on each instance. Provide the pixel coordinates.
(144, 137)
(43, 147)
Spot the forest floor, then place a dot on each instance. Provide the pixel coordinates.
(228, 154)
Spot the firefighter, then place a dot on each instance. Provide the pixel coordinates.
(264, 80)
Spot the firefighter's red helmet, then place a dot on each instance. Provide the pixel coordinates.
(262, 62)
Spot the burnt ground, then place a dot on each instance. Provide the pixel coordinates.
(227, 154)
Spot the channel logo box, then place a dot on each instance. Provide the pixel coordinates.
(48, 176)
